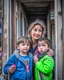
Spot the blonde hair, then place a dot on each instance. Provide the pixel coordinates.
(37, 22)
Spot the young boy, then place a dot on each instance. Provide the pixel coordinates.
(19, 65)
(45, 64)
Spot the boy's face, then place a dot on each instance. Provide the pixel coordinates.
(42, 46)
(24, 47)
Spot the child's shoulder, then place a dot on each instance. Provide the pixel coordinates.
(30, 54)
(12, 56)
(47, 57)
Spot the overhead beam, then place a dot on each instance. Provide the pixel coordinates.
(36, 4)
(25, 1)
(36, 9)
(36, 13)
(33, 17)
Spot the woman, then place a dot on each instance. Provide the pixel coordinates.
(36, 30)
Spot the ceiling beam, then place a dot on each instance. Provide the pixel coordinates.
(35, 4)
(36, 9)
(36, 13)
(39, 17)
(25, 1)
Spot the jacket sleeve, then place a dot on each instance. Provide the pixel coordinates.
(10, 62)
(45, 65)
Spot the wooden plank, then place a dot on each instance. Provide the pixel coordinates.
(63, 38)
(36, 13)
(24, 1)
(39, 17)
(37, 9)
(36, 4)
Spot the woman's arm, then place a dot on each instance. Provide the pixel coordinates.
(51, 53)
(35, 58)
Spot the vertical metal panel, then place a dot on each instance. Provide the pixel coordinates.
(8, 29)
(56, 40)
(63, 37)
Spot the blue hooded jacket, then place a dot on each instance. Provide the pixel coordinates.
(21, 63)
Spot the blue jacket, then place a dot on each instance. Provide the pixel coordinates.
(21, 62)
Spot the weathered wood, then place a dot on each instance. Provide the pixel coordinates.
(37, 8)
(36, 13)
(34, 0)
(63, 38)
(37, 17)
(36, 4)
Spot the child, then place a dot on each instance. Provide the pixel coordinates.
(19, 65)
(45, 64)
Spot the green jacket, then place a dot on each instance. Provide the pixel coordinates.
(44, 68)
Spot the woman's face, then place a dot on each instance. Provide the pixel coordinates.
(36, 32)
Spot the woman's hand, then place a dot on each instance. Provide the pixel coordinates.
(35, 58)
(51, 53)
